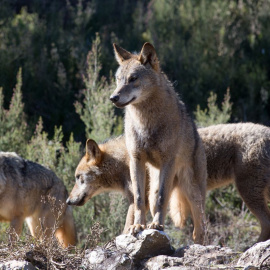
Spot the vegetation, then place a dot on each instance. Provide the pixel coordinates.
(61, 52)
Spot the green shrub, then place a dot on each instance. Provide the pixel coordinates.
(13, 126)
(213, 115)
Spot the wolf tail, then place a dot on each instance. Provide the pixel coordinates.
(66, 233)
(179, 208)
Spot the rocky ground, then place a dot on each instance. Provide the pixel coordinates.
(151, 249)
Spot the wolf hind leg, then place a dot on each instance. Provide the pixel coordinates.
(194, 191)
(255, 195)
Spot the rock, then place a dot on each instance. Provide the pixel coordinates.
(128, 252)
(257, 256)
(101, 258)
(205, 255)
(194, 257)
(17, 265)
(162, 261)
(151, 250)
(146, 244)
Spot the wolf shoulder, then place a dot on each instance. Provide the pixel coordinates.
(18, 172)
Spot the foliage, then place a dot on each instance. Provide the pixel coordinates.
(53, 154)
(201, 44)
(215, 45)
(13, 125)
(213, 115)
(96, 110)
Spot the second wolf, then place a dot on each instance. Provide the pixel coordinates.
(26, 189)
(238, 153)
(160, 135)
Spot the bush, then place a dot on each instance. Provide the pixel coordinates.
(14, 131)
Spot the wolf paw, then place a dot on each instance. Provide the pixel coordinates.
(156, 226)
(136, 228)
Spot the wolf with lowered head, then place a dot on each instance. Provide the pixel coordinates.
(25, 191)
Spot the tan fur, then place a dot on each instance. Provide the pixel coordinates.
(238, 153)
(24, 186)
(232, 150)
(159, 134)
(108, 172)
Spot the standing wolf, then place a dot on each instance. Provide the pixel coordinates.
(236, 153)
(160, 134)
(25, 188)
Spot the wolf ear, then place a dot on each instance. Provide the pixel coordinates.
(148, 55)
(92, 151)
(121, 54)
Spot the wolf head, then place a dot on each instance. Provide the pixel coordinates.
(87, 176)
(136, 75)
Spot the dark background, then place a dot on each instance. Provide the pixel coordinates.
(203, 46)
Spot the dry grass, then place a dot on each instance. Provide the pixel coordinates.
(46, 252)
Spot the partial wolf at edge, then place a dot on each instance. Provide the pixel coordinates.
(26, 189)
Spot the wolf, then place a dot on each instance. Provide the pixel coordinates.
(236, 153)
(161, 135)
(103, 168)
(26, 189)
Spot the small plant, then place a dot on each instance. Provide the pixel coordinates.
(96, 110)
(213, 115)
(45, 252)
(13, 125)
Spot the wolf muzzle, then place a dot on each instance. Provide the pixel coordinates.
(114, 98)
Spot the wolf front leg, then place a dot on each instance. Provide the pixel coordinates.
(16, 225)
(160, 188)
(129, 218)
(138, 178)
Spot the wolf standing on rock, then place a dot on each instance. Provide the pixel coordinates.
(160, 134)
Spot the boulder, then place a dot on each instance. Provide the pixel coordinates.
(194, 257)
(257, 256)
(128, 251)
(16, 265)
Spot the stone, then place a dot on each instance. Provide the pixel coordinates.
(257, 256)
(198, 255)
(16, 265)
(146, 244)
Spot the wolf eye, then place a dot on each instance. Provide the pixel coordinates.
(132, 79)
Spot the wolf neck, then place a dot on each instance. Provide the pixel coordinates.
(150, 112)
(116, 164)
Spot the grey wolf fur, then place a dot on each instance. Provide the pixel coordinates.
(161, 135)
(236, 153)
(22, 185)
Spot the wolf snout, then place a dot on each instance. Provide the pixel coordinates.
(114, 98)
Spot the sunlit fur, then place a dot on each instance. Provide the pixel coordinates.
(25, 187)
(236, 153)
(160, 135)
